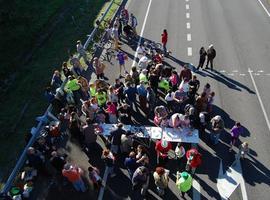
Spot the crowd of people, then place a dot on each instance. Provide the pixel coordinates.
(157, 93)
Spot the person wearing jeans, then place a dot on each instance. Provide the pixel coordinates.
(217, 126)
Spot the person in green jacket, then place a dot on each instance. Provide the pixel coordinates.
(183, 182)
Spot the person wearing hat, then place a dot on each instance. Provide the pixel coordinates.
(162, 148)
(211, 54)
(183, 182)
(81, 51)
(73, 174)
(217, 124)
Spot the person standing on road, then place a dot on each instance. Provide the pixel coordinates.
(164, 40)
(90, 136)
(202, 58)
(142, 93)
(183, 182)
(109, 160)
(236, 131)
(121, 57)
(133, 22)
(115, 138)
(130, 92)
(211, 54)
(162, 148)
(194, 160)
(161, 177)
(217, 126)
(73, 174)
(185, 74)
(99, 68)
(131, 164)
(140, 179)
(115, 36)
(81, 51)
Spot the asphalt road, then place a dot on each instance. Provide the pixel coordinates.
(239, 30)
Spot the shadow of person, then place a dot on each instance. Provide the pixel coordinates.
(217, 75)
(260, 173)
(222, 80)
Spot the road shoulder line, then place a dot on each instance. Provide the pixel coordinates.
(260, 99)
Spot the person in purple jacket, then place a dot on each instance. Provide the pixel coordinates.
(121, 57)
(236, 131)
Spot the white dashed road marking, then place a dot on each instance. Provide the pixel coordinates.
(188, 37)
(187, 6)
(188, 25)
(187, 15)
(189, 51)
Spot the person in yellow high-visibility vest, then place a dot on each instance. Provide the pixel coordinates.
(183, 182)
(74, 87)
(101, 97)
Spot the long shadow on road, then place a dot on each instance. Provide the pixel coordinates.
(233, 84)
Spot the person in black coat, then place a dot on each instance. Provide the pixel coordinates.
(202, 58)
(211, 54)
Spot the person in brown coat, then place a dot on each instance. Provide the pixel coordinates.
(201, 102)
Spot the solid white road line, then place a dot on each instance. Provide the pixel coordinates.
(101, 191)
(196, 189)
(187, 6)
(127, 4)
(143, 26)
(188, 37)
(189, 51)
(267, 12)
(188, 25)
(187, 15)
(260, 99)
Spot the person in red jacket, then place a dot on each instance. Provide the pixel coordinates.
(194, 160)
(162, 148)
(164, 40)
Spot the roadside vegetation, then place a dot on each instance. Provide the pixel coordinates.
(36, 37)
